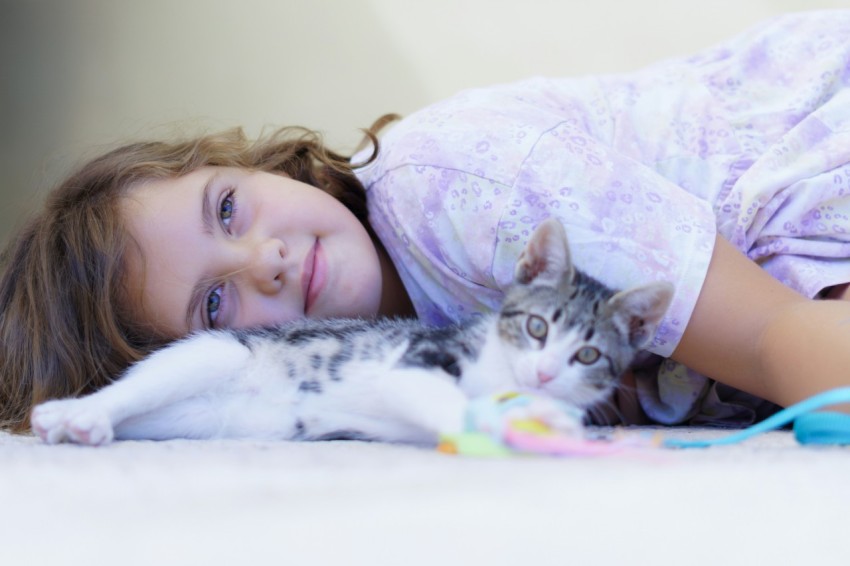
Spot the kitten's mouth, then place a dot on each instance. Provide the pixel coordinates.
(313, 276)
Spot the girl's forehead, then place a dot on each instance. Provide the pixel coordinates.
(163, 221)
(183, 182)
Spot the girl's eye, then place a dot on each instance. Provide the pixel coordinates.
(587, 355)
(537, 327)
(213, 305)
(227, 208)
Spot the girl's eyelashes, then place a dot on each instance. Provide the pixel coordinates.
(226, 214)
(213, 305)
(227, 208)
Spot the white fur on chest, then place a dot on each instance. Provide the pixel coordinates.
(490, 372)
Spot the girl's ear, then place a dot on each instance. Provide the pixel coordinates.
(546, 258)
(636, 312)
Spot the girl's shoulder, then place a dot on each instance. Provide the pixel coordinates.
(486, 132)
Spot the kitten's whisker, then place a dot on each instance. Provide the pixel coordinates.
(597, 416)
(612, 407)
(591, 415)
(625, 387)
(621, 386)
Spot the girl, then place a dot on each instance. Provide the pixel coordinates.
(725, 173)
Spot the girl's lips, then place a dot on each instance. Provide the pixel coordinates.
(313, 275)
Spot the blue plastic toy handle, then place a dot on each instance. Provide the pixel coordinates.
(810, 427)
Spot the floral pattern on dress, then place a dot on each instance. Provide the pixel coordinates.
(749, 140)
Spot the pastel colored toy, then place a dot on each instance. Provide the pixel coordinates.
(525, 423)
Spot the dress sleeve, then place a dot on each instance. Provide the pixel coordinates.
(460, 186)
(626, 224)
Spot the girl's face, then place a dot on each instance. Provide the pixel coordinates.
(223, 247)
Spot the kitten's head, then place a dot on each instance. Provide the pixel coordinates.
(566, 333)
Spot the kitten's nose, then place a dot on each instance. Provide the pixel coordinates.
(544, 377)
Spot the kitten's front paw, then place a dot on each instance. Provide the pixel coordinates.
(552, 413)
(71, 420)
(495, 414)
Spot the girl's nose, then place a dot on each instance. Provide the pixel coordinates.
(267, 267)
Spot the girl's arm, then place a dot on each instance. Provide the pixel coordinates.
(752, 332)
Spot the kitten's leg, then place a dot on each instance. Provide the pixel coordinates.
(398, 405)
(183, 370)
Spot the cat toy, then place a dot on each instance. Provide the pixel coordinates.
(810, 423)
(523, 423)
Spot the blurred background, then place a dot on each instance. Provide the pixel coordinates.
(78, 77)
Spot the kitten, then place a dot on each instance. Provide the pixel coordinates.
(559, 332)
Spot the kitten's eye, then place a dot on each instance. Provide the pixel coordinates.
(587, 355)
(537, 327)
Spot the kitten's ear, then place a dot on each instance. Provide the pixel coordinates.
(636, 312)
(546, 258)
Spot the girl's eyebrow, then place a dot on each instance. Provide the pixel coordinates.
(207, 216)
(208, 227)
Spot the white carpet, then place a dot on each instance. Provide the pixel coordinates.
(768, 501)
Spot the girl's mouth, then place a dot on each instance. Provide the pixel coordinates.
(313, 276)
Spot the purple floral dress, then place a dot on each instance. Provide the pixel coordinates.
(749, 140)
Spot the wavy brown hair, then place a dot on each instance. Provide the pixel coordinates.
(65, 328)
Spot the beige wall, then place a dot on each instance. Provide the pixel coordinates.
(77, 76)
